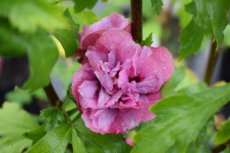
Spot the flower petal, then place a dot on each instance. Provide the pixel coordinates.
(105, 80)
(103, 97)
(114, 20)
(148, 85)
(158, 63)
(119, 41)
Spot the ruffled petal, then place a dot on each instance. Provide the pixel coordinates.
(103, 97)
(100, 120)
(88, 89)
(119, 41)
(149, 101)
(125, 120)
(148, 85)
(85, 73)
(157, 62)
(114, 20)
(95, 58)
(105, 80)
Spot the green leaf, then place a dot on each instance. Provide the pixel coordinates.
(70, 108)
(10, 40)
(190, 39)
(179, 120)
(53, 118)
(55, 141)
(97, 143)
(15, 122)
(223, 135)
(157, 5)
(80, 5)
(86, 17)
(78, 146)
(213, 15)
(12, 119)
(148, 41)
(68, 36)
(19, 96)
(14, 144)
(227, 36)
(67, 67)
(226, 150)
(183, 80)
(42, 54)
(23, 97)
(28, 16)
(36, 134)
(41, 51)
(209, 18)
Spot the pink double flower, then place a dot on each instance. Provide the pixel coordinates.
(119, 79)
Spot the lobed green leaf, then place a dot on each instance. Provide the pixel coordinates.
(15, 122)
(78, 145)
(97, 143)
(53, 117)
(148, 40)
(157, 5)
(80, 5)
(209, 18)
(190, 39)
(55, 141)
(180, 118)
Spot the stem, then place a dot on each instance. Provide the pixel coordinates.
(219, 148)
(211, 62)
(136, 19)
(51, 94)
(213, 57)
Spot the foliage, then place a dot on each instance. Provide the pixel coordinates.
(183, 80)
(191, 38)
(227, 36)
(98, 143)
(157, 5)
(68, 37)
(13, 127)
(80, 5)
(36, 12)
(67, 67)
(39, 62)
(33, 37)
(174, 115)
(78, 145)
(23, 97)
(53, 117)
(31, 44)
(54, 141)
(65, 127)
(148, 40)
(223, 135)
(209, 18)
(226, 151)
(47, 32)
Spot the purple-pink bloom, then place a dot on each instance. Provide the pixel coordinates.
(119, 81)
(91, 33)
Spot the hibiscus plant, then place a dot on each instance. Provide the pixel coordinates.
(112, 76)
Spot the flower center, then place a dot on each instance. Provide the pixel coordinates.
(136, 79)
